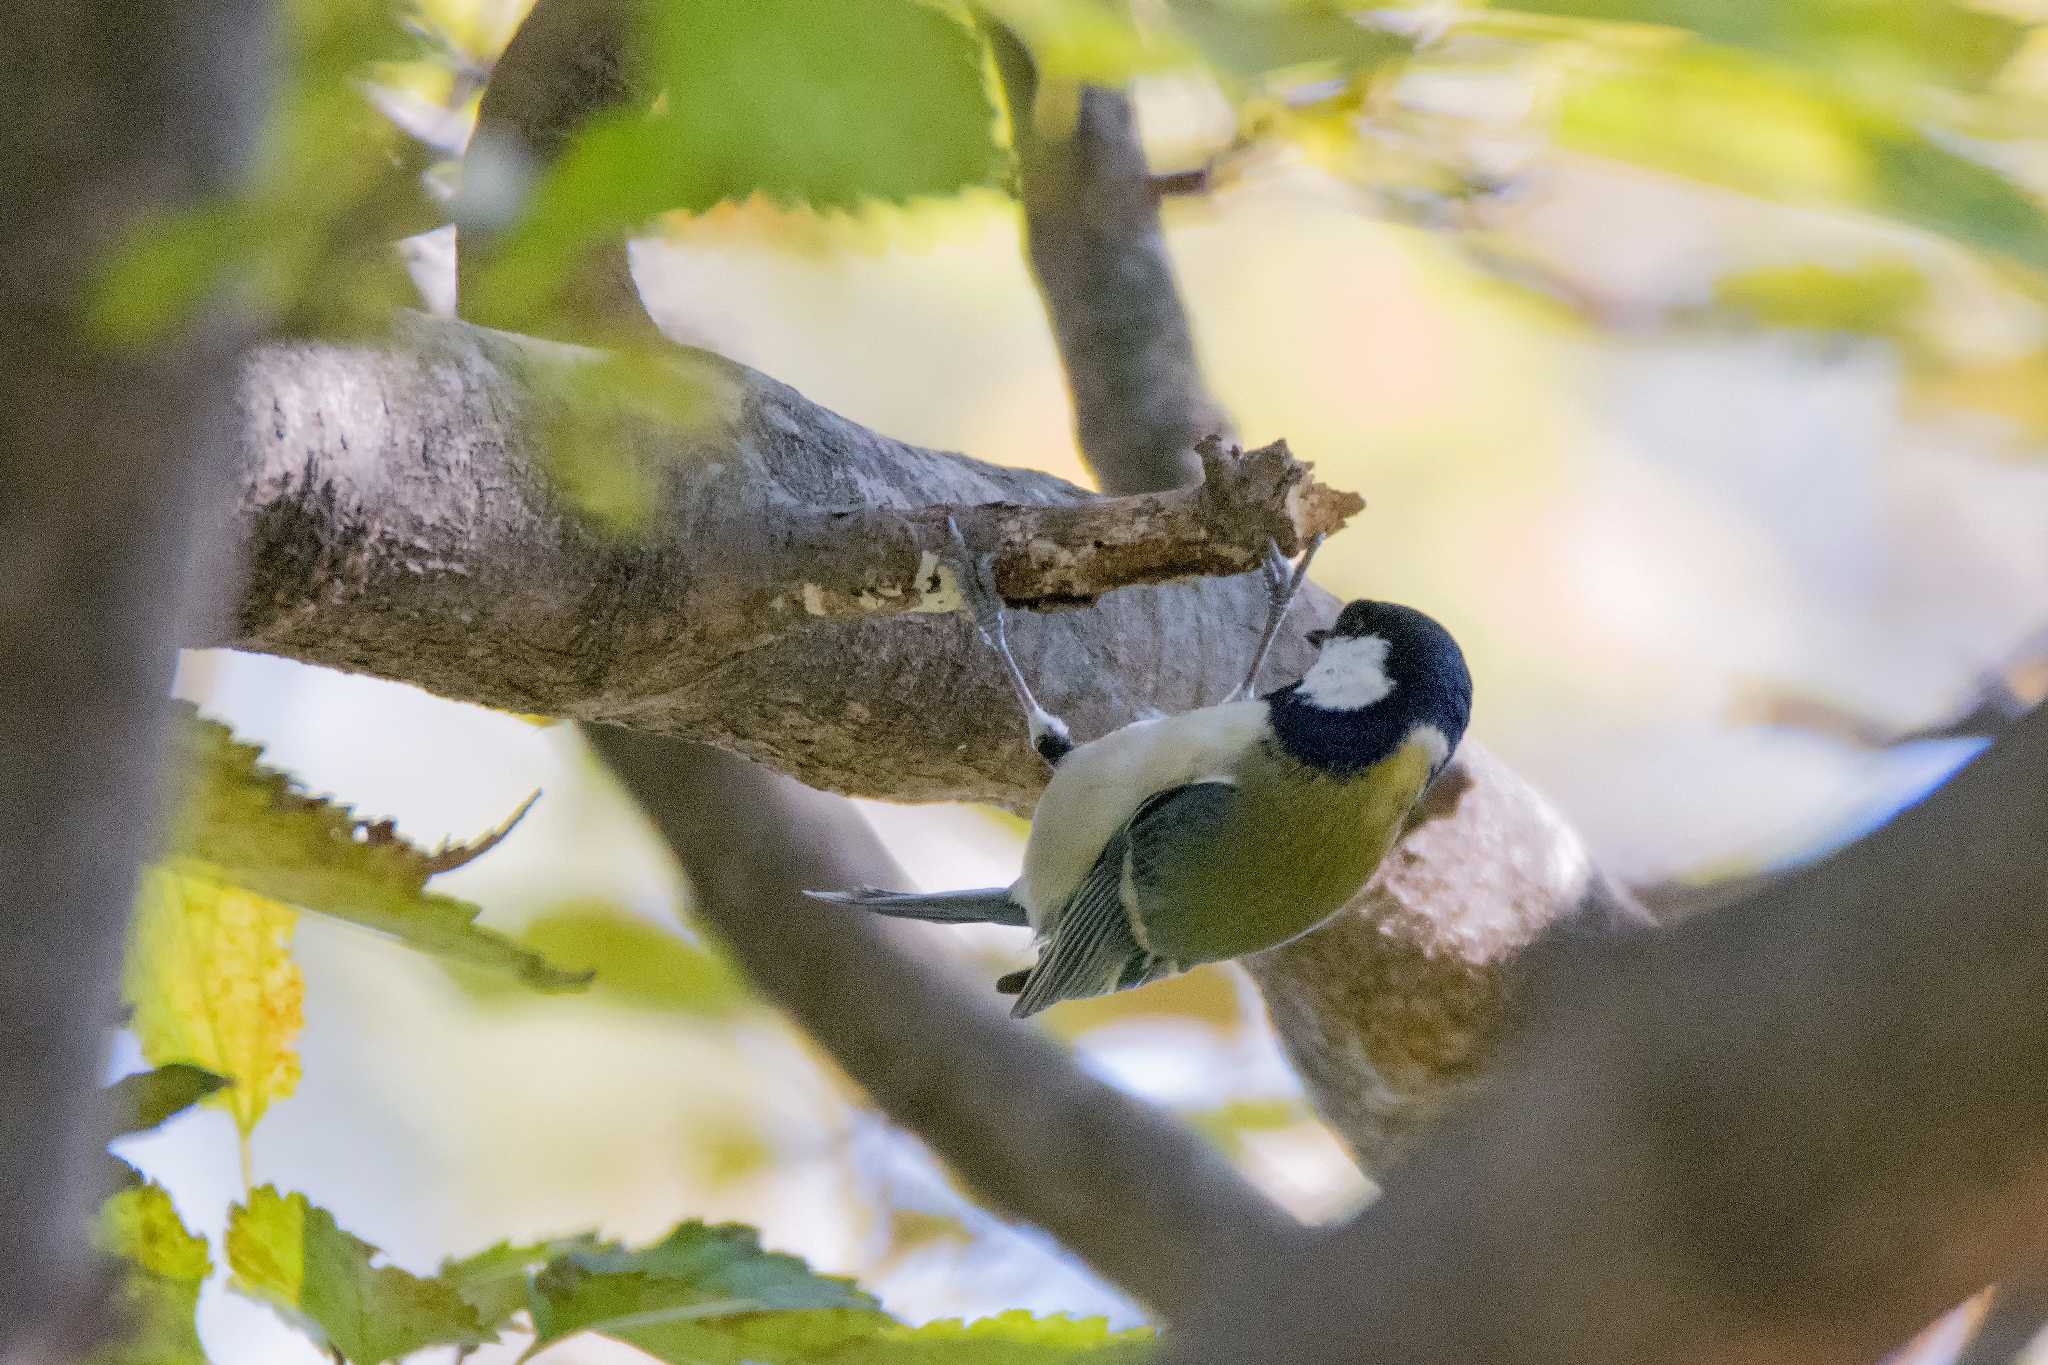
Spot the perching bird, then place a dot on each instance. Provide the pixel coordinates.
(1223, 830)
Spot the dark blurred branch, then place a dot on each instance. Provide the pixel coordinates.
(1133, 1193)
(110, 461)
(1797, 1129)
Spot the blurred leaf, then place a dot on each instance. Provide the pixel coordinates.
(632, 962)
(308, 241)
(495, 1280)
(1739, 122)
(1227, 1125)
(290, 1254)
(829, 106)
(591, 426)
(1006, 1339)
(164, 1268)
(1932, 39)
(1877, 299)
(704, 1294)
(2013, 390)
(1095, 41)
(211, 976)
(147, 1098)
(1250, 39)
(247, 824)
(711, 1296)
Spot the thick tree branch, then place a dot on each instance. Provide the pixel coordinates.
(1797, 1129)
(400, 520)
(109, 456)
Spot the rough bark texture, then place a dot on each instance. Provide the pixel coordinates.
(112, 108)
(1797, 1129)
(399, 521)
(1150, 1205)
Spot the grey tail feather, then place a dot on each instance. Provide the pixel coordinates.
(989, 904)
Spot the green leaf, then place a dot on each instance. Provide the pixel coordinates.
(147, 1098)
(164, 1266)
(633, 962)
(1251, 39)
(1875, 299)
(290, 1254)
(1097, 41)
(1007, 1339)
(248, 825)
(708, 1295)
(212, 981)
(1739, 122)
(495, 1281)
(1876, 39)
(825, 105)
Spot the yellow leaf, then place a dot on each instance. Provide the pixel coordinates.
(212, 980)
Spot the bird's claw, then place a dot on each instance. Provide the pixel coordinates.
(977, 584)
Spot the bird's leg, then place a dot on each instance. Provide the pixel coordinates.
(1283, 581)
(1049, 734)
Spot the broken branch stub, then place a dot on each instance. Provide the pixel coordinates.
(862, 562)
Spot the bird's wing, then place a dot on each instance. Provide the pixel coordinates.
(1091, 947)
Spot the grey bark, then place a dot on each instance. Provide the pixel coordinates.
(113, 109)
(1134, 1192)
(1796, 1129)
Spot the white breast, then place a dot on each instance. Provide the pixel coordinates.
(1096, 788)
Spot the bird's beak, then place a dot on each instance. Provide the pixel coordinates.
(1316, 637)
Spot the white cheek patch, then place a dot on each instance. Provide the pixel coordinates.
(1432, 743)
(1349, 675)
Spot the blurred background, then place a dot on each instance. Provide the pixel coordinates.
(1662, 454)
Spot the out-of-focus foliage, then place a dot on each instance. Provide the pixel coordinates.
(244, 824)
(212, 982)
(147, 1098)
(1875, 299)
(290, 1254)
(826, 106)
(632, 963)
(712, 1294)
(1732, 120)
(1870, 41)
(163, 1266)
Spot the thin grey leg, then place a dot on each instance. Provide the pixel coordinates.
(1049, 734)
(1283, 582)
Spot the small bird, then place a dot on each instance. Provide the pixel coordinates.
(1224, 830)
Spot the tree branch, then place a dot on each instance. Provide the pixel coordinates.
(399, 519)
(1797, 1129)
(1099, 254)
(1134, 1192)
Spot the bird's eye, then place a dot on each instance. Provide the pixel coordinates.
(1316, 637)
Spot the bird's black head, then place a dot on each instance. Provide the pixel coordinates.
(1383, 670)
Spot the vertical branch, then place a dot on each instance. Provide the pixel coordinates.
(1097, 249)
(108, 458)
